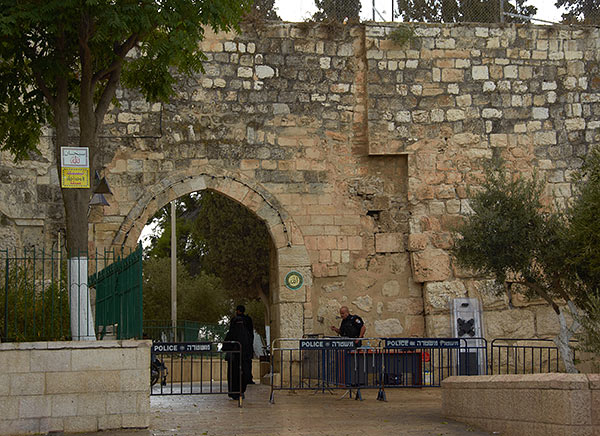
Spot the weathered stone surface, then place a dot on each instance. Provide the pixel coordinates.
(430, 265)
(364, 303)
(391, 289)
(344, 147)
(509, 324)
(388, 327)
(407, 306)
(439, 294)
(389, 242)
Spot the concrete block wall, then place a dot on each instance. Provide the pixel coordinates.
(74, 387)
(534, 404)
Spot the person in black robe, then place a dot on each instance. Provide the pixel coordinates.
(237, 333)
(247, 357)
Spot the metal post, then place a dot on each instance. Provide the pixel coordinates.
(502, 11)
(373, 9)
(174, 270)
(393, 11)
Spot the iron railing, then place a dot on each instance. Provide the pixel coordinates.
(34, 292)
(185, 331)
(525, 356)
(199, 368)
(326, 364)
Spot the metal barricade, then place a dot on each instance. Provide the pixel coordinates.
(524, 356)
(197, 368)
(326, 364)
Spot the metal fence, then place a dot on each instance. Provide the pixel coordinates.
(327, 364)
(119, 297)
(423, 11)
(525, 356)
(185, 331)
(199, 368)
(34, 292)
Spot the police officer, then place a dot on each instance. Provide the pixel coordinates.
(352, 326)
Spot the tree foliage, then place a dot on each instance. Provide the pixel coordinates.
(457, 11)
(235, 245)
(219, 237)
(264, 9)
(200, 298)
(513, 237)
(337, 10)
(65, 57)
(580, 11)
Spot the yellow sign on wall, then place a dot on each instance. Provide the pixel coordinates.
(75, 177)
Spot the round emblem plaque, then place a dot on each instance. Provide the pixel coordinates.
(294, 280)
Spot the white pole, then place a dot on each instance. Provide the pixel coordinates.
(174, 270)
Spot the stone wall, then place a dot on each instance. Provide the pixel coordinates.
(356, 150)
(74, 386)
(515, 405)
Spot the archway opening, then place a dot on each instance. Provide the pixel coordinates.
(225, 257)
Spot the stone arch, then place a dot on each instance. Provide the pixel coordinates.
(287, 306)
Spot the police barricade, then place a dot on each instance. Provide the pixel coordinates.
(325, 364)
(196, 368)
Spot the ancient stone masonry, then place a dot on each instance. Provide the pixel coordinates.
(357, 152)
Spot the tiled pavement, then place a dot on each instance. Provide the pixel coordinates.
(409, 412)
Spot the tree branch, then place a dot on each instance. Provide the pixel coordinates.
(107, 96)
(39, 80)
(541, 292)
(120, 53)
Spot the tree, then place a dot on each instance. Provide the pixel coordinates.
(583, 240)
(200, 298)
(220, 237)
(580, 11)
(59, 56)
(455, 11)
(511, 236)
(264, 9)
(337, 10)
(238, 251)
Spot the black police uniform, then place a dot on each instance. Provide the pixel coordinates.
(351, 326)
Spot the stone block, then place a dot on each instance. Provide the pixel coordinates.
(91, 403)
(135, 421)
(19, 427)
(44, 361)
(509, 324)
(439, 294)
(110, 422)
(430, 265)
(417, 241)
(52, 425)
(391, 289)
(34, 406)
(4, 385)
(389, 242)
(115, 359)
(121, 402)
(9, 408)
(63, 405)
(134, 379)
(27, 384)
(80, 424)
(391, 327)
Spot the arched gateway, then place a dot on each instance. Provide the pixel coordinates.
(288, 252)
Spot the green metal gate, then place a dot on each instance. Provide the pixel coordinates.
(119, 297)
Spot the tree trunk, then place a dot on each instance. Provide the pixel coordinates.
(564, 336)
(76, 203)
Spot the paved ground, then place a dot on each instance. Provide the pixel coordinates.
(408, 412)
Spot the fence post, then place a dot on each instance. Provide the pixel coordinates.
(502, 11)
